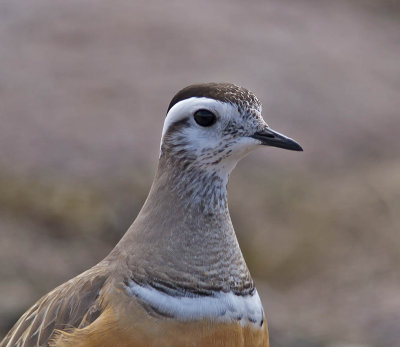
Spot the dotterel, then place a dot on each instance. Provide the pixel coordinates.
(177, 277)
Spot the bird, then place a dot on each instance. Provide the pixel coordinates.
(177, 277)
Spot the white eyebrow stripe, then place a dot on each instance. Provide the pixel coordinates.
(186, 107)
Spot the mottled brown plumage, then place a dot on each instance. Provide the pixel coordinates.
(75, 304)
(225, 92)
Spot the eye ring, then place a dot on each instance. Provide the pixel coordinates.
(204, 118)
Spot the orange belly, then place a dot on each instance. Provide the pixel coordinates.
(139, 329)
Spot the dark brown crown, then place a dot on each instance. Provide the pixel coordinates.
(225, 92)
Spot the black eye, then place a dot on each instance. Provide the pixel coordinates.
(205, 118)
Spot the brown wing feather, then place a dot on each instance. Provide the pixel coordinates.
(74, 304)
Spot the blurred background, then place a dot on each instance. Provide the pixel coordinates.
(84, 88)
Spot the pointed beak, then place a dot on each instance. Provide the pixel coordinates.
(269, 137)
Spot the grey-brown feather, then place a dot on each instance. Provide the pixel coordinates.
(74, 304)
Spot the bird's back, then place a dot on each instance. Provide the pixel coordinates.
(74, 304)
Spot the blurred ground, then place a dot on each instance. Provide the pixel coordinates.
(84, 87)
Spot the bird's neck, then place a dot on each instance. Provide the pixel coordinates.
(183, 237)
(198, 190)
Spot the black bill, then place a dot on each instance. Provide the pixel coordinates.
(269, 137)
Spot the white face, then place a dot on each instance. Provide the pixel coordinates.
(221, 144)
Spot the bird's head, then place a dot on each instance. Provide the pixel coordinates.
(212, 126)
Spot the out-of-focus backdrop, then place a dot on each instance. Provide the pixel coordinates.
(84, 87)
